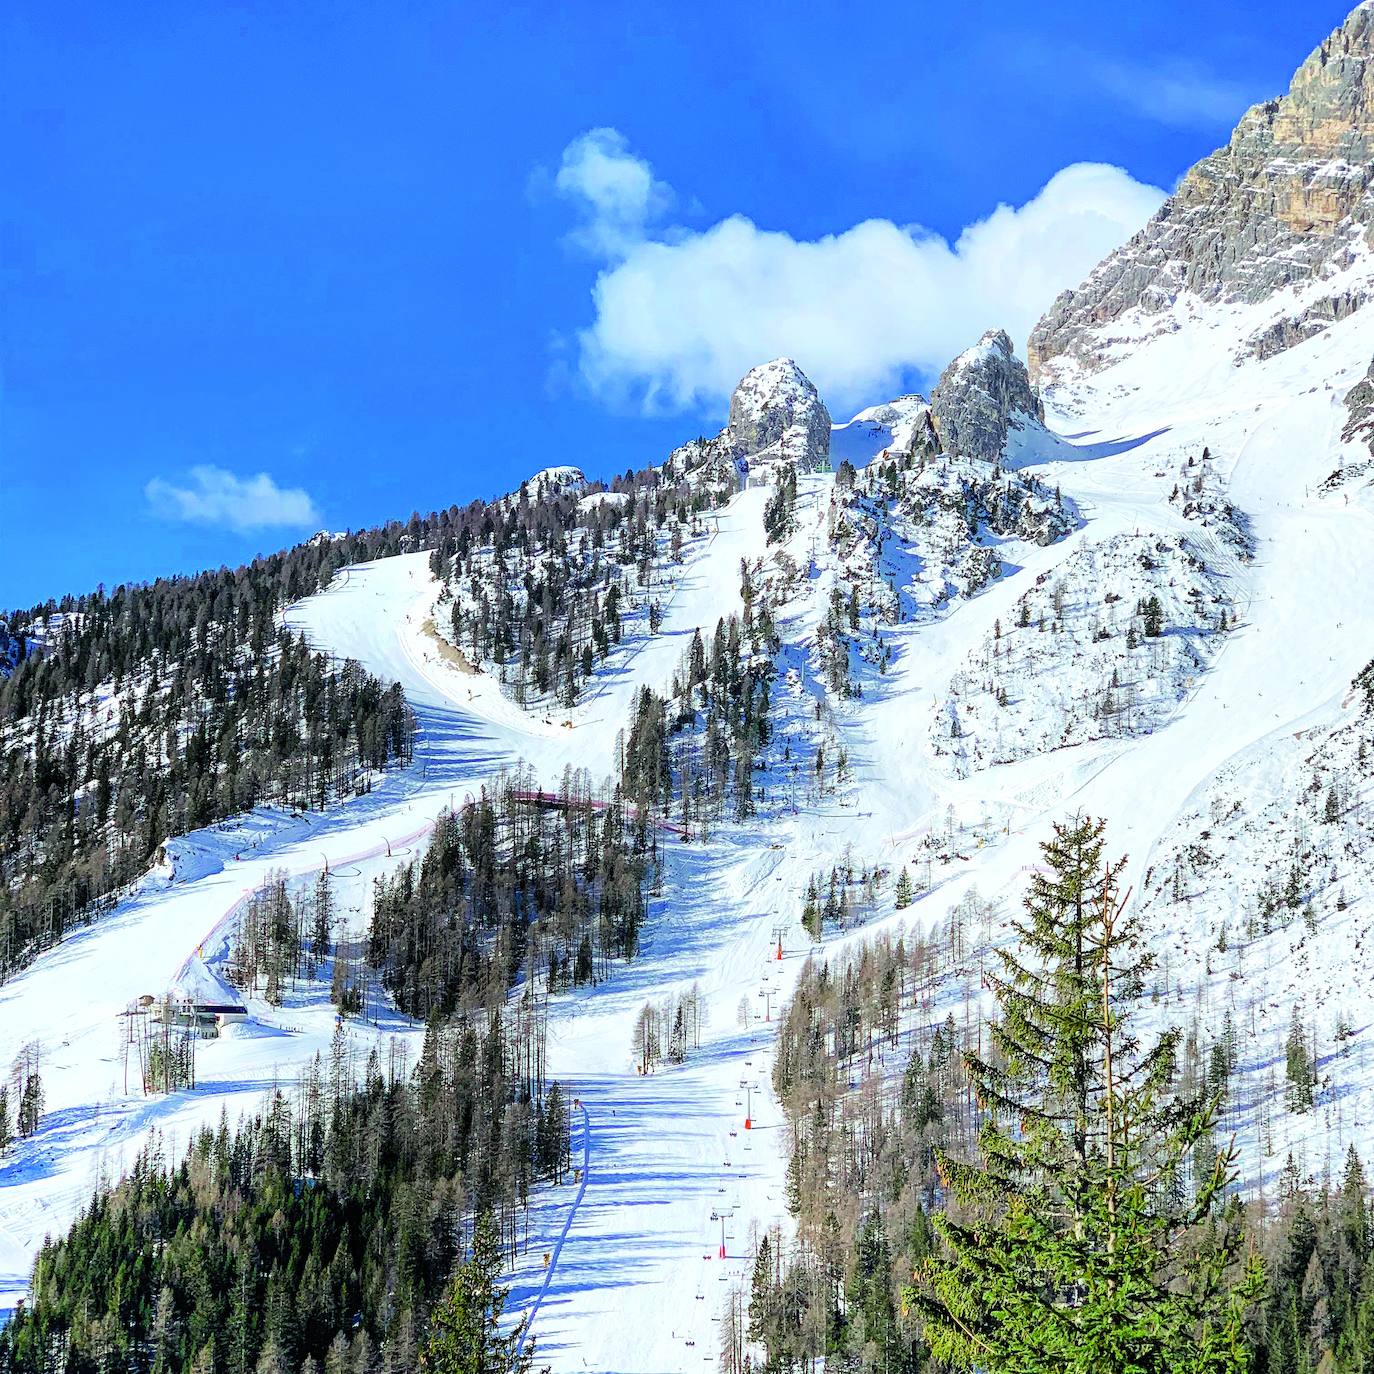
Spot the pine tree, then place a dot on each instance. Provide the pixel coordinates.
(1075, 1245)
(555, 1159)
(677, 1037)
(903, 894)
(811, 911)
(1298, 1067)
(30, 1105)
(323, 916)
(763, 1296)
(465, 1335)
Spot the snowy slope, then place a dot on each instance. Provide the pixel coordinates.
(637, 1277)
(967, 654)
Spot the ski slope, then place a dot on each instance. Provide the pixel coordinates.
(667, 1170)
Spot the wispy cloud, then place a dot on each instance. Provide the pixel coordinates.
(1173, 91)
(214, 496)
(618, 192)
(682, 314)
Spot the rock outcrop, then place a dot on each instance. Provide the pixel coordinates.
(776, 411)
(981, 397)
(1359, 407)
(1289, 199)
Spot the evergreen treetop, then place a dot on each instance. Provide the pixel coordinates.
(1075, 1242)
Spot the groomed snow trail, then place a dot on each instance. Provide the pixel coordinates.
(635, 1280)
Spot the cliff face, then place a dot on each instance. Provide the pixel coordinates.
(1288, 200)
(981, 396)
(776, 409)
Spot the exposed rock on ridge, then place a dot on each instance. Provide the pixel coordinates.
(775, 409)
(981, 397)
(1288, 199)
(1359, 405)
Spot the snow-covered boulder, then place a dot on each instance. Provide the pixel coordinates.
(1359, 407)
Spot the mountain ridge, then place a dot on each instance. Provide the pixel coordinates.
(1286, 202)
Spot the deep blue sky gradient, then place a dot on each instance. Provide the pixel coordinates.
(300, 237)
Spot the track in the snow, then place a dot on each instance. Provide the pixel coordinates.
(528, 1323)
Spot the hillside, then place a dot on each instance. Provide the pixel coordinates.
(782, 669)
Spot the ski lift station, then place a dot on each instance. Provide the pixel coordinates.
(201, 999)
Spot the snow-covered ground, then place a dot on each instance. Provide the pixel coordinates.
(635, 1276)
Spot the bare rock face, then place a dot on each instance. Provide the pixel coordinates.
(1289, 198)
(1359, 407)
(776, 411)
(981, 396)
(1292, 329)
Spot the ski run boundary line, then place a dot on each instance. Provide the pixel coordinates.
(528, 1323)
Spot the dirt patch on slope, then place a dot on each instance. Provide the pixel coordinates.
(447, 651)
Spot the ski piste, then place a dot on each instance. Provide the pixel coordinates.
(669, 1173)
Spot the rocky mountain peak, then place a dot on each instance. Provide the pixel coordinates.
(776, 410)
(981, 397)
(1289, 199)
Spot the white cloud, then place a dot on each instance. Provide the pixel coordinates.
(681, 315)
(1176, 93)
(214, 496)
(617, 190)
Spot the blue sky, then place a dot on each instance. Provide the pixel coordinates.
(271, 267)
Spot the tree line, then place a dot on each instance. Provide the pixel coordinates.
(130, 716)
(517, 881)
(98, 783)
(693, 752)
(316, 1236)
(538, 585)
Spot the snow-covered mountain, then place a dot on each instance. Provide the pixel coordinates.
(776, 412)
(1279, 217)
(1132, 580)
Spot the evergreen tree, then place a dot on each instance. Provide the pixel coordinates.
(1075, 1245)
(30, 1104)
(903, 894)
(1302, 1080)
(323, 915)
(465, 1335)
(811, 911)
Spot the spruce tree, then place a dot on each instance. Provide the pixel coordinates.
(1302, 1081)
(902, 897)
(1074, 1243)
(323, 916)
(465, 1335)
(30, 1105)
